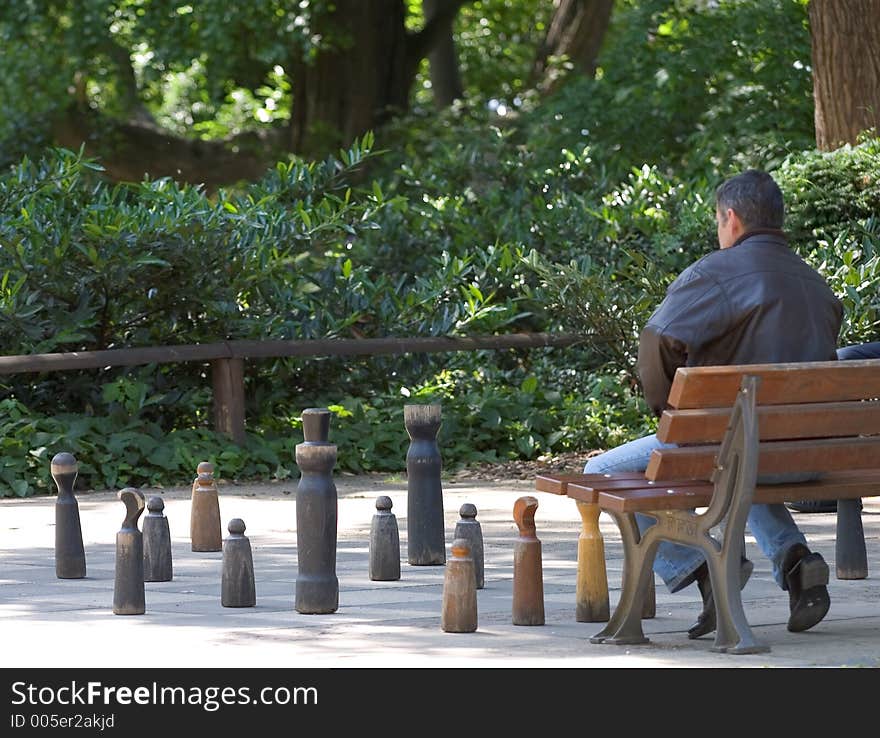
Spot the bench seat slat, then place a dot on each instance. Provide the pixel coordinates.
(558, 484)
(781, 384)
(775, 422)
(831, 454)
(834, 485)
(589, 491)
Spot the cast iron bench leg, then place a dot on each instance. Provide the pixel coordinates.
(733, 635)
(625, 625)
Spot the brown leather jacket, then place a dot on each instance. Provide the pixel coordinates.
(755, 302)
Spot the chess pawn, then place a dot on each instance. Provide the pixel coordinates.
(459, 613)
(157, 543)
(70, 557)
(238, 588)
(205, 531)
(469, 528)
(317, 587)
(128, 589)
(528, 577)
(384, 543)
(426, 541)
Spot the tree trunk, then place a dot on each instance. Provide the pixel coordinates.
(846, 69)
(359, 83)
(367, 76)
(577, 31)
(445, 75)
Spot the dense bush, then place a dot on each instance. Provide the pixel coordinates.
(834, 219)
(89, 266)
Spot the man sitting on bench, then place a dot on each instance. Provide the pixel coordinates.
(753, 301)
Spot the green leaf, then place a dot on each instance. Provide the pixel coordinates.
(529, 384)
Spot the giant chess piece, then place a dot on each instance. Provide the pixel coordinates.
(469, 528)
(238, 588)
(128, 589)
(157, 543)
(384, 543)
(528, 574)
(70, 557)
(317, 588)
(459, 613)
(426, 539)
(204, 529)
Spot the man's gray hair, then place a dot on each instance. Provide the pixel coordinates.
(755, 197)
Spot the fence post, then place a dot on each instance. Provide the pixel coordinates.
(228, 380)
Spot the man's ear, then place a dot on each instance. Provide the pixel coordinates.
(734, 222)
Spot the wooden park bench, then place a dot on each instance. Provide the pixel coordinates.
(731, 424)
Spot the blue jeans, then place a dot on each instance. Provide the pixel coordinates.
(859, 351)
(772, 525)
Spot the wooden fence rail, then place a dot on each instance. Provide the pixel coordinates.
(227, 360)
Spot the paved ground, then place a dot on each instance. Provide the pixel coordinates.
(47, 622)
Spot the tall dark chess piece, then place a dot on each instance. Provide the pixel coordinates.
(238, 588)
(528, 572)
(204, 528)
(384, 543)
(70, 557)
(469, 528)
(157, 543)
(317, 588)
(426, 540)
(128, 589)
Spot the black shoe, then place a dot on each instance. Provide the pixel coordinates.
(706, 620)
(806, 577)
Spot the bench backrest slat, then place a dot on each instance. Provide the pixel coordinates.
(781, 384)
(775, 422)
(817, 455)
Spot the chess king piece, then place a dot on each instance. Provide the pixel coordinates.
(70, 556)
